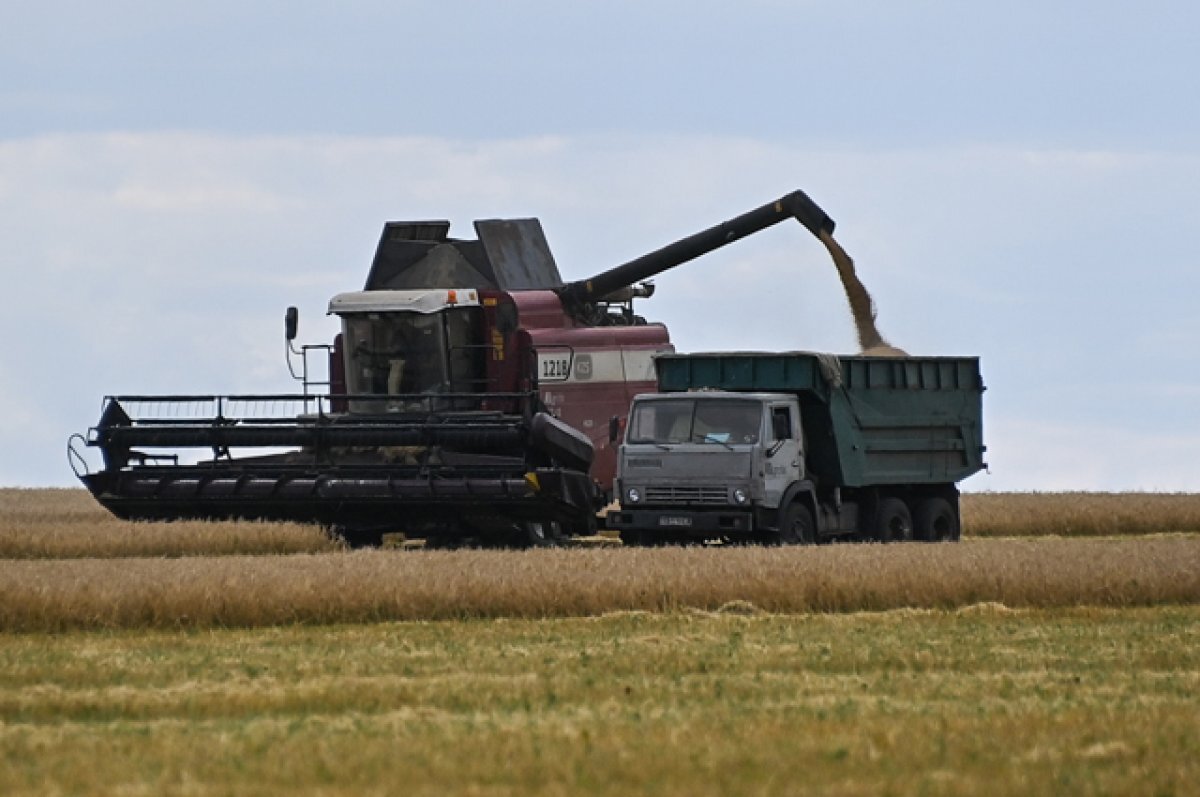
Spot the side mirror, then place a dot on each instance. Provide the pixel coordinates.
(291, 321)
(614, 429)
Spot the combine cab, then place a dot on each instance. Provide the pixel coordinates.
(470, 396)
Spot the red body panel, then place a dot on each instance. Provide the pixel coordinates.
(605, 368)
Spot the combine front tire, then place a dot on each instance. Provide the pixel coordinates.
(355, 538)
(536, 534)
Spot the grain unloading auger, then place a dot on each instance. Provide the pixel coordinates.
(470, 395)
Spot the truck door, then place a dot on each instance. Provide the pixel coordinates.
(783, 456)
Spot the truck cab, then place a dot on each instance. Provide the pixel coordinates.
(709, 465)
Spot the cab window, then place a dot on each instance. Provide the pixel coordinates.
(781, 423)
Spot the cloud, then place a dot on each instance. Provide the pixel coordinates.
(143, 262)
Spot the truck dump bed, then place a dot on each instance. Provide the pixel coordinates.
(866, 420)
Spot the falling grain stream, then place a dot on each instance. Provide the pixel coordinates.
(862, 307)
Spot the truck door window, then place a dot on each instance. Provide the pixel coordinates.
(781, 423)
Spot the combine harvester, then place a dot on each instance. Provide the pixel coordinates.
(470, 397)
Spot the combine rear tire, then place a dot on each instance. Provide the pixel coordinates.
(894, 522)
(936, 521)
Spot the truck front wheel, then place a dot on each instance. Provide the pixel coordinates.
(796, 526)
(894, 523)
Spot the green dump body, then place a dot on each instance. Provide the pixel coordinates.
(867, 420)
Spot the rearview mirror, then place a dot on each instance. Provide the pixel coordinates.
(291, 321)
(614, 429)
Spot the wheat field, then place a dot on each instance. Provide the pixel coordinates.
(1078, 514)
(1054, 650)
(68, 523)
(979, 701)
(369, 586)
(68, 565)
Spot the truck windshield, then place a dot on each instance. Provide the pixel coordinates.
(695, 421)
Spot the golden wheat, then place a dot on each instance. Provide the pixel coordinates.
(378, 585)
(1078, 514)
(57, 523)
(69, 523)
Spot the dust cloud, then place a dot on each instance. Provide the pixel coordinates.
(862, 307)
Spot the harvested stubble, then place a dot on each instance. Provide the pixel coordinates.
(426, 585)
(1078, 514)
(46, 524)
(978, 702)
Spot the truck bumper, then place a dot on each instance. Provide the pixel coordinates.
(683, 522)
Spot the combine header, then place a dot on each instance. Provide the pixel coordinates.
(470, 395)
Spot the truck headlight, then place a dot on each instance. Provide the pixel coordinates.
(633, 494)
(739, 496)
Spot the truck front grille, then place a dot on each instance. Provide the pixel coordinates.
(686, 495)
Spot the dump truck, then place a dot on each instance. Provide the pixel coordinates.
(798, 448)
(466, 398)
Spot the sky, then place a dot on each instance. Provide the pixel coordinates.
(1016, 181)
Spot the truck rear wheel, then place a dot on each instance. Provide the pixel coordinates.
(936, 521)
(894, 522)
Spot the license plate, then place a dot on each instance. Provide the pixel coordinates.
(674, 521)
